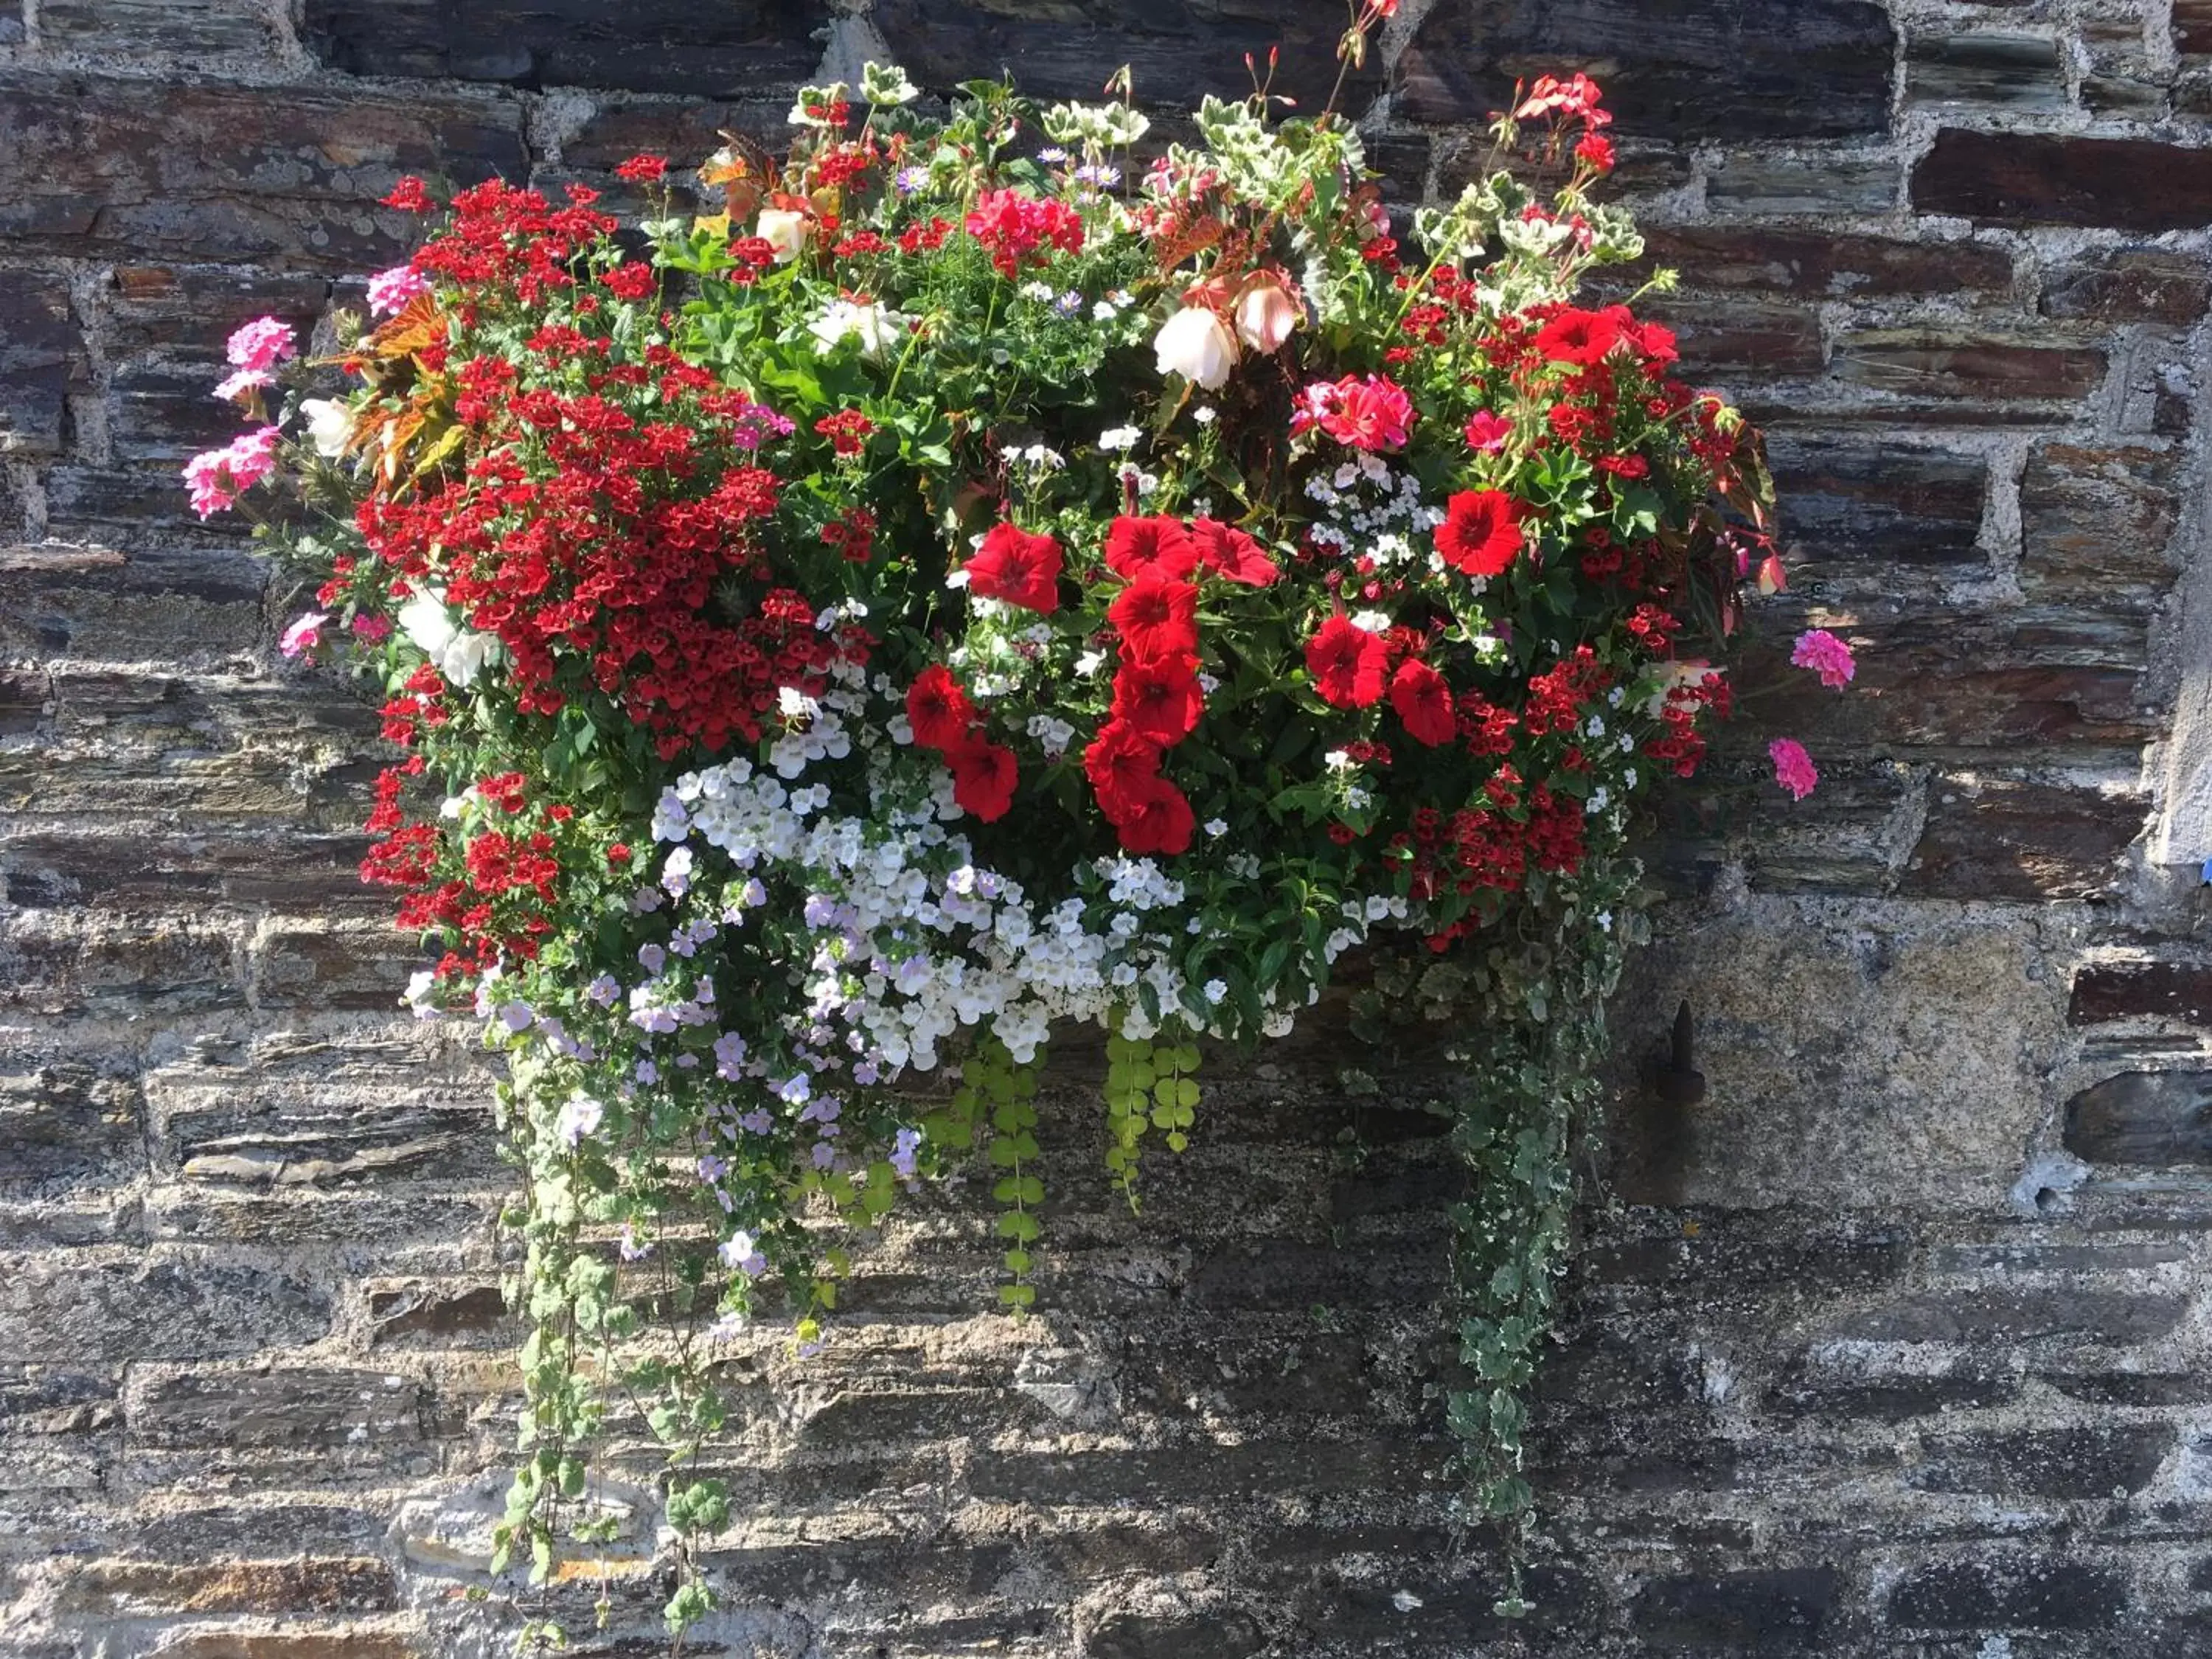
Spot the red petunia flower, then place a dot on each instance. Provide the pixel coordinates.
(1424, 702)
(1347, 662)
(938, 710)
(983, 777)
(1119, 762)
(1017, 567)
(1575, 336)
(1156, 617)
(1230, 554)
(1156, 546)
(1481, 531)
(1160, 698)
(1158, 819)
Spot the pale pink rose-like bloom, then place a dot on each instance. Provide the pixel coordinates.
(389, 290)
(262, 343)
(241, 380)
(1486, 433)
(1827, 656)
(1266, 314)
(305, 634)
(1793, 767)
(217, 478)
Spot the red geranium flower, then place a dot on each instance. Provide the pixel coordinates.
(643, 169)
(1575, 336)
(1424, 702)
(1481, 531)
(938, 710)
(1120, 761)
(1157, 546)
(1156, 617)
(1160, 698)
(1017, 567)
(983, 775)
(1231, 554)
(1158, 819)
(1347, 662)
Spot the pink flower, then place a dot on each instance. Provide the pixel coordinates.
(1486, 433)
(1372, 413)
(305, 634)
(1827, 656)
(1793, 767)
(389, 290)
(241, 380)
(262, 343)
(372, 629)
(217, 478)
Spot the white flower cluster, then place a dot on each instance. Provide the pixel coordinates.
(1367, 508)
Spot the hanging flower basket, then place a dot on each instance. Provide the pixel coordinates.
(981, 575)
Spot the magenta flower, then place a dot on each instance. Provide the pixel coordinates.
(1486, 433)
(262, 343)
(241, 380)
(1793, 767)
(389, 290)
(1827, 656)
(305, 634)
(218, 477)
(371, 628)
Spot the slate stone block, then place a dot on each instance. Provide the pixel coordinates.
(41, 356)
(1772, 1610)
(1065, 49)
(2157, 1119)
(1866, 504)
(2096, 525)
(1794, 68)
(2028, 179)
(1816, 265)
(118, 1589)
(279, 175)
(1986, 1317)
(2007, 1593)
(2133, 990)
(1990, 68)
(2105, 1461)
(642, 45)
(1819, 182)
(73, 1308)
(282, 1407)
(2128, 285)
(142, 28)
(1989, 837)
(68, 1126)
(1940, 363)
(1223, 1633)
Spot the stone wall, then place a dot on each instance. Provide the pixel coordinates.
(1895, 1344)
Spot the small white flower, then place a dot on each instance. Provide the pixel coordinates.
(1216, 826)
(1215, 990)
(1375, 622)
(1205, 415)
(1118, 438)
(330, 423)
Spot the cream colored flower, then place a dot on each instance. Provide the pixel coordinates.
(1196, 345)
(784, 229)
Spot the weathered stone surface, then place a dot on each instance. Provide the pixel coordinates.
(2018, 178)
(1777, 1610)
(1860, 504)
(2128, 285)
(281, 175)
(2020, 1593)
(1177, 53)
(1924, 363)
(67, 1126)
(176, 1304)
(2130, 990)
(1764, 182)
(647, 45)
(110, 1588)
(2096, 524)
(1996, 838)
(292, 1407)
(1811, 265)
(1984, 67)
(1984, 1316)
(187, 28)
(1657, 62)
(1744, 339)
(2155, 1118)
(40, 357)
(2110, 1460)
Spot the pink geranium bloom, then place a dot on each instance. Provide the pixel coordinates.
(1793, 767)
(1827, 656)
(262, 343)
(389, 290)
(372, 629)
(218, 477)
(242, 381)
(305, 634)
(1486, 433)
(1370, 413)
